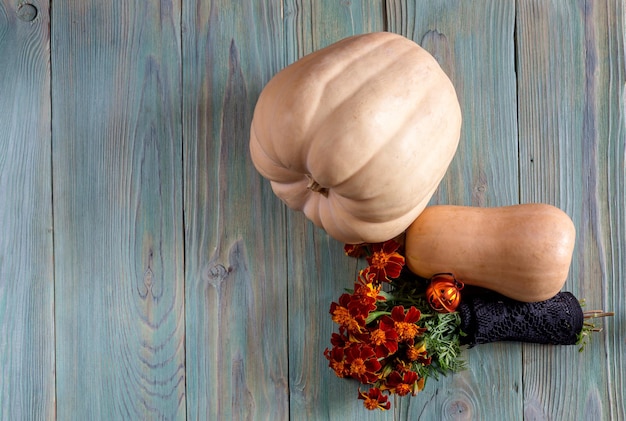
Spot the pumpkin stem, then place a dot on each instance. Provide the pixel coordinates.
(315, 186)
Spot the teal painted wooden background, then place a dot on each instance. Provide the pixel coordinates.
(147, 271)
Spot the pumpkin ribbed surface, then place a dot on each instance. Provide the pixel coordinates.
(357, 135)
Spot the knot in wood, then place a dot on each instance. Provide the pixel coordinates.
(27, 12)
(216, 274)
(458, 409)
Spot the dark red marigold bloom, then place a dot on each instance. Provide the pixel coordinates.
(384, 340)
(362, 301)
(404, 324)
(339, 339)
(374, 399)
(385, 260)
(401, 384)
(355, 250)
(368, 285)
(337, 361)
(364, 366)
(350, 312)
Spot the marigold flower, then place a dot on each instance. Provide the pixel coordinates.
(337, 361)
(385, 261)
(404, 324)
(380, 342)
(401, 384)
(350, 313)
(384, 341)
(363, 363)
(418, 353)
(343, 317)
(368, 286)
(355, 250)
(361, 302)
(339, 339)
(374, 399)
(412, 315)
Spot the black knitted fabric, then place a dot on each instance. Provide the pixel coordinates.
(491, 318)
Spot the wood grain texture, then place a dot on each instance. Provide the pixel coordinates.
(236, 302)
(117, 161)
(26, 248)
(474, 45)
(571, 79)
(175, 285)
(318, 270)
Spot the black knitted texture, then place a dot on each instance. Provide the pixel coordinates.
(491, 318)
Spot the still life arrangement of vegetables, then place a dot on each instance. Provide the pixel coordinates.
(437, 277)
(397, 329)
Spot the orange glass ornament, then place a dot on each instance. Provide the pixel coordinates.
(444, 292)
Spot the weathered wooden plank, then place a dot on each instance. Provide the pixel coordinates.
(318, 269)
(473, 41)
(26, 269)
(236, 302)
(117, 161)
(572, 76)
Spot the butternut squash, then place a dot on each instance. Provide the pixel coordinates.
(521, 251)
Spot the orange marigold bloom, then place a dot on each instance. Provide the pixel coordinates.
(374, 399)
(378, 336)
(406, 330)
(342, 317)
(385, 260)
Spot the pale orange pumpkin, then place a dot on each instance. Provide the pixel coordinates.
(358, 135)
(521, 251)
